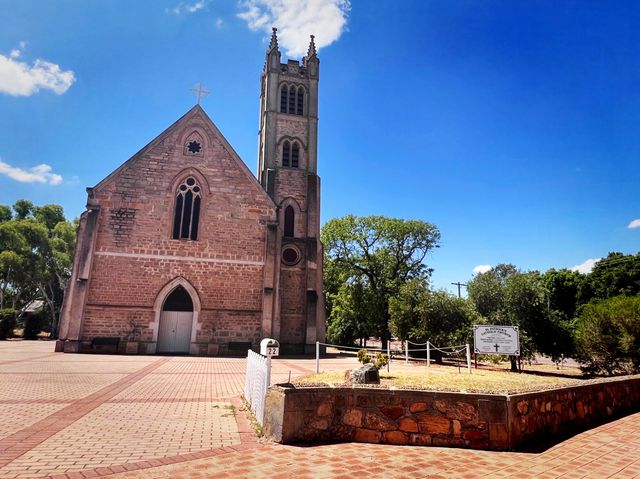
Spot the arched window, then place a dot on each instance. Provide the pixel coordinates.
(187, 213)
(300, 101)
(289, 221)
(284, 96)
(286, 153)
(295, 155)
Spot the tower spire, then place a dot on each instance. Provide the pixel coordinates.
(311, 52)
(274, 40)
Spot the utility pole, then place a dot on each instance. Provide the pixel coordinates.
(458, 284)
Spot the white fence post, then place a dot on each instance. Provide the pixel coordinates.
(317, 357)
(468, 358)
(389, 355)
(428, 355)
(406, 351)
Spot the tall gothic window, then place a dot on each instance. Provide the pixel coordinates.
(284, 96)
(300, 101)
(292, 100)
(295, 155)
(286, 153)
(289, 221)
(187, 213)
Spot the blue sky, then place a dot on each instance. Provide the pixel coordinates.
(512, 126)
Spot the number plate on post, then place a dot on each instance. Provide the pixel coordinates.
(271, 351)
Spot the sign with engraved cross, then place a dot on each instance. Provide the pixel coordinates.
(496, 340)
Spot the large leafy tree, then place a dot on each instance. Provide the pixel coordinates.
(507, 296)
(617, 274)
(379, 253)
(36, 254)
(563, 288)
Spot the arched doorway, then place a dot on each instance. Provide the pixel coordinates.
(174, 333)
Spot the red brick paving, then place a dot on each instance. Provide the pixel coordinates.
(93, 414)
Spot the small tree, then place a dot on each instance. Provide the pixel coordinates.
(608, 336)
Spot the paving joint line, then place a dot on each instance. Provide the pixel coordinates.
(22, 441)
(248, 440)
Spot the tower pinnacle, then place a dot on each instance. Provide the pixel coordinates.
(274, 40)
(312, 47)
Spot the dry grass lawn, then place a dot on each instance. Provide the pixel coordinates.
(449, 379)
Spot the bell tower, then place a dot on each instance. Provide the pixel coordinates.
(287, 170)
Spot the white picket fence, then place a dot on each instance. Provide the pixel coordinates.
(256, 382)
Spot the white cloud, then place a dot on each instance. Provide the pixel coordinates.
(296, 20)
(482, 268)
(634, 224)
(219, 22)
(187, 7)
(38, 174)
(587, 266)
(21, 79)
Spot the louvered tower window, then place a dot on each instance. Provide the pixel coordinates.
(286, 153)
(295, 155)
(284, 96)
(300, 101)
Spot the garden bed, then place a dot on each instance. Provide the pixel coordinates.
(312, 413)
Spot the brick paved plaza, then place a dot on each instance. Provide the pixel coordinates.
(77, 416)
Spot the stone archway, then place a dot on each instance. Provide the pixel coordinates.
(173, 296)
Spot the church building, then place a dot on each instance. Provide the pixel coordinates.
(182, 250)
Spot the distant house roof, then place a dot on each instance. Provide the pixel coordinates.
(33, 306)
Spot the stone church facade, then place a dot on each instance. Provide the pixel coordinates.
(182, 250)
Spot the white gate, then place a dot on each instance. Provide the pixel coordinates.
(256, 383)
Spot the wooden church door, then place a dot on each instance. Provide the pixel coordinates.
(174, 332)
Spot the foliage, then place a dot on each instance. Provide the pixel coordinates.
(34, 323)
(363, 356)
(380, 360)
(615, 275)
(564, 288)
(378, 253)
(608, 336)
(7, 322)
(420, 315)
(36, 255)
(353, 308)
(507, 296)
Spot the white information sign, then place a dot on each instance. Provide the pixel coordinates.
(496, 340)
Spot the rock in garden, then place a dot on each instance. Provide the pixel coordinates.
(367, 374)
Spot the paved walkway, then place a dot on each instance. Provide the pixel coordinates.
(79, 416)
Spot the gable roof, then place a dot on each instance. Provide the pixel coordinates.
(197, 109)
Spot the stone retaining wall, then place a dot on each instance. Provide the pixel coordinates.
(478, 421)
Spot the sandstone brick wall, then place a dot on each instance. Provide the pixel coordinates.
(546, 414)
(384, 416)
(135, 255)
(498, 422)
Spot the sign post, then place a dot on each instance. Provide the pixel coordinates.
(269, 348)
(492, 339)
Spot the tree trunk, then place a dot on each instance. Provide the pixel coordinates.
(514, 364)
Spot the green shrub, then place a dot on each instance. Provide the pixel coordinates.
(33, 324)
(608, 336)
(380, 361)
(7, 322)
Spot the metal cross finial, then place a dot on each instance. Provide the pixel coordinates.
(201, 92)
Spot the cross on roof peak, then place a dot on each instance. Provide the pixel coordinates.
(200, 92)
